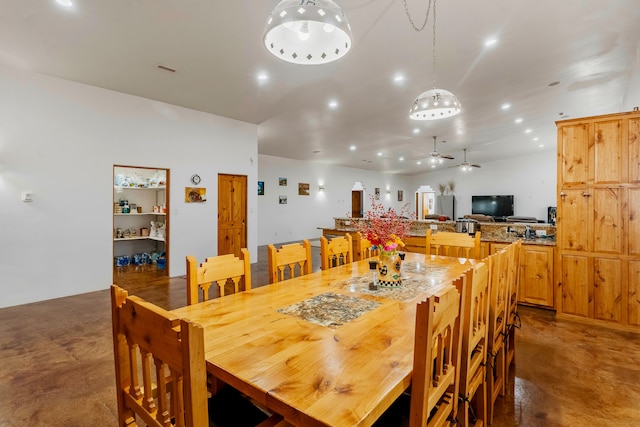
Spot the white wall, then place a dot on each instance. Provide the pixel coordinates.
(61, 139)
(302, 215)
(531, 179)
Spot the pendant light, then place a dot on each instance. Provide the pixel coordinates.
(432, 104)
(308, 32)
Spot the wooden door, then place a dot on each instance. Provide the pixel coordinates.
(634, 150)
(608, 223)
(573, 220)
(633, 308)
(536, 276)
(573, 155)
(232, 214)
(577, 288)
(633, 246)
(607, 292)
(356, 204)
(607, 165)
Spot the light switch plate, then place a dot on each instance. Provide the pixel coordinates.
(433, 226)
(27, 196)
(541, 232)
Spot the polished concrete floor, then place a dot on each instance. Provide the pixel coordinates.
(56, 363)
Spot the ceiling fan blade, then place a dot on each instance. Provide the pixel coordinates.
(475, 166)
(446, 156)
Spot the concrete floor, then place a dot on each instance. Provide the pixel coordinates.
(57, 363)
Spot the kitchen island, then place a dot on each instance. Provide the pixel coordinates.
(538, 256)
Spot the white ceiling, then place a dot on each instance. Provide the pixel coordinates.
(588, 46)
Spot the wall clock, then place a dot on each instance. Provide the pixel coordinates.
(195, 179)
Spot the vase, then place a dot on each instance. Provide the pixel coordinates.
(389, 270)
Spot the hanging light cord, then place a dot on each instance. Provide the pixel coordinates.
(424, 24)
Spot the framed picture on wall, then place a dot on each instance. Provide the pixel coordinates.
(303, 189)
(282, 182)
(283, 200)
(195, 194)
(400, 195)
(260, 188)
(377, 193)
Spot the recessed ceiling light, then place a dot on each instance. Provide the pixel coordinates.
(506, 106)
(528, 131)
(418, 163)
(541, 146)
(65, 3)
(401, 159)
(490, 42)
(380, 154)
(398, 78)
(333, 104)
(416, 131)
(536, 139)
(352, 148)
(518, 120)
(262, 76)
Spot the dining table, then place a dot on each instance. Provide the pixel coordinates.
(326, 348)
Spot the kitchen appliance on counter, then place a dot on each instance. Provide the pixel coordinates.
(467, 225)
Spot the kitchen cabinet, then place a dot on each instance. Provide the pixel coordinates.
(598, 219)
(536, 277)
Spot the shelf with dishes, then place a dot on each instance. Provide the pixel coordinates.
(141, 214)
(126, 239)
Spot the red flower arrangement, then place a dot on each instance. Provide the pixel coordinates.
(385, 228)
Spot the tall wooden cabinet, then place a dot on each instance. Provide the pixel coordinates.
(599, 218)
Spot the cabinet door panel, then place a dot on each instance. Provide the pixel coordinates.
(634, 222)
(574, 154)
(607, 160)
(607, 289)
(634, 293)
(634, 150)
(577, 294)
(573, 219)
(608, 223)
(536, 278)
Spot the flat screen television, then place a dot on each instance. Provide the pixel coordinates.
(498, 207)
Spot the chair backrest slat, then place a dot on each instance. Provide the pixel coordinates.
(335, 252)
(436, 358)
(217, 270)
(459, 245)
(285, 260)
(161, 375)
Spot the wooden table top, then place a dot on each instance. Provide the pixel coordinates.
(343, 374)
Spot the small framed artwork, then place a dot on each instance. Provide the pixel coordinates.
(282, 182)
(400, 195)
(195, 194)
(283, 200)
(303, 189)
(377, 192)
(260, 188)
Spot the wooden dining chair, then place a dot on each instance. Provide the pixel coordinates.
(434, 385)
(217, 270)
(365, 249)
(160, 365)
(459, 245)
(472, 410)
(496, 328)
(335, 252)
(284, 262)
(513, 319)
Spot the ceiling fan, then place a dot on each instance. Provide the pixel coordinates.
(466, 166)
(436, 157)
